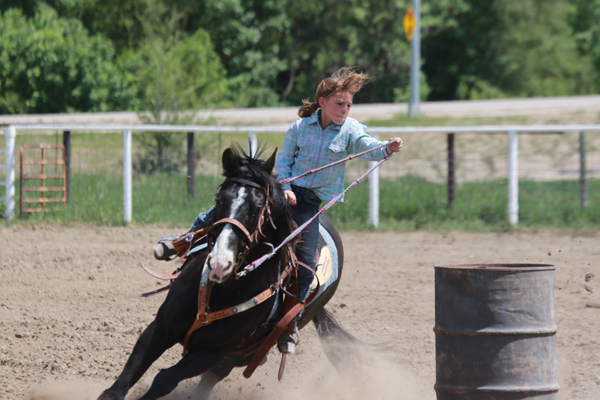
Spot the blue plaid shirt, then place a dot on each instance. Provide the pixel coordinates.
(307, 147)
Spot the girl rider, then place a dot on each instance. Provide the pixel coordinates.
(323, 134)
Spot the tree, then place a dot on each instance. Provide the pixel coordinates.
(50, 64)
(587, 33)
(176, 75)
(505, 48)
(248, 37)
(363, 33)
(175, 79)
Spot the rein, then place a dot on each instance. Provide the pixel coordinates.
(255, 264)
(312, 171)
(253, 238)
(205, 316)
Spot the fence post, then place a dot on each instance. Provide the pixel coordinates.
(67, 145)
(252, 144)
(582, 172)
(191, 164)
(374, 192)
(451, 171)
(9, 197)
(513, 177)
(127, 168)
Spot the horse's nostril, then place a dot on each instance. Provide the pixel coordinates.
(219, 271)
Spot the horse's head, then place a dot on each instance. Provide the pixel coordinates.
(241, 209)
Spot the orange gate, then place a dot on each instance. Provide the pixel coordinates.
(49, 173)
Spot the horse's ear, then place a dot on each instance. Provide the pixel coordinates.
(230, 161)
(270, 163)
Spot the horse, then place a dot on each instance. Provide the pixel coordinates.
(249, 196)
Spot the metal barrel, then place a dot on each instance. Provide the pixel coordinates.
(495, 332)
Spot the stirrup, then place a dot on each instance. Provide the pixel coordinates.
(286, 343)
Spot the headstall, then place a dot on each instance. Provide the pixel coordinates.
(252, 238)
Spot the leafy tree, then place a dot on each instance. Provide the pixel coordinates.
(175, 79)
(124, 22)
(176, 75)
(587, 33)
(505, 48)
(276, 51)
(365, 33)
(28, 7)
(537, 50)
(50, 64)
(248, 37)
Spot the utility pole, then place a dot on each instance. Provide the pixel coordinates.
(415, 57)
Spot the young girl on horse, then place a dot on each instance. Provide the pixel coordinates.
(322, 135)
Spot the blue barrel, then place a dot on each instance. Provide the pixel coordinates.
(495, 332)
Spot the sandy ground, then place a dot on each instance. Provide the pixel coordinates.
(70, 312)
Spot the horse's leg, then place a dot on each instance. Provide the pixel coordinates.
(213, 376)
(192, 364)
(151, 344)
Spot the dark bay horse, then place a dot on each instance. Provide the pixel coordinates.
(215, 349)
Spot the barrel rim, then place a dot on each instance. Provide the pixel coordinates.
(548, 331)
(551, 388)
(519, 267)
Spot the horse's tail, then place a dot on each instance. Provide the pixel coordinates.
(342, 349)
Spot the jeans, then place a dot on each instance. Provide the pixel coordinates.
(202, 220)
(307, 205)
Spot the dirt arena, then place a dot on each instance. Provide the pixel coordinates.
(70, 312)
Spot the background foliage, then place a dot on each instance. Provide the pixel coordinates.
(164, 57)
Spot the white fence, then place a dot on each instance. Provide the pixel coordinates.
(11, 131)
(9, 168)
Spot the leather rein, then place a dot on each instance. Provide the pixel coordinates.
(205, 316)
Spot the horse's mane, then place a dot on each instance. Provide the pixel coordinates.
(251, 168)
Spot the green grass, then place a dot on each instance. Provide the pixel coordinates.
(409, 203)
(157, 199)
(412, 203)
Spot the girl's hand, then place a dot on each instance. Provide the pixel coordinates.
(290, 197)
(394, 145)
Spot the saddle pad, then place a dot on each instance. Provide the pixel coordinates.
(327, 267)
(324, 268)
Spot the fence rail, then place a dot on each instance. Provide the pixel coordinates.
(512, 157)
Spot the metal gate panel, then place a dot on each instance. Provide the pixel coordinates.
(42, 201)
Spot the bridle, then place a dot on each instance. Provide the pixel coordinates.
(252, 239)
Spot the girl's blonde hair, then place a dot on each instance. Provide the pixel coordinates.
(347, 79)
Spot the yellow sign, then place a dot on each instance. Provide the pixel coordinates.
(409, 23)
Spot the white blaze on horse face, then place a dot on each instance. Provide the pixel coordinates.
(222, 257)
